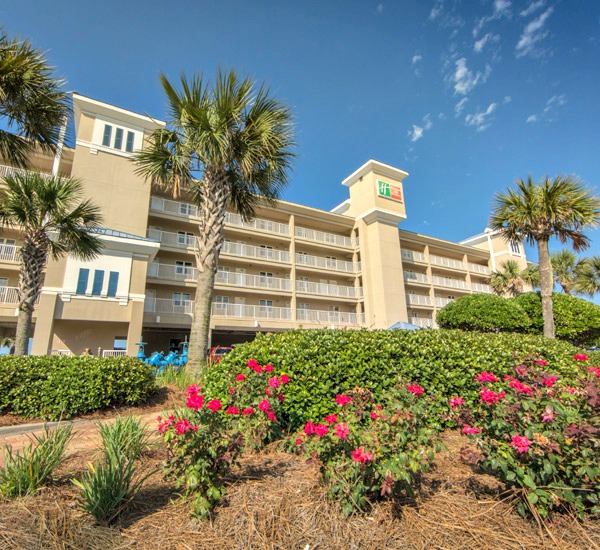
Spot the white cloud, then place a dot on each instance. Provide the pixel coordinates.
(532, 34)
(416, 58)
(549, 111)
(380, 8)
(417, 131)
(501, 9)
(507, 99)
(458, 108)
(464, 79)
(480, 119)
(534, 6)
(437, 9)
(531, 118)
(488, 38)
(427, 121)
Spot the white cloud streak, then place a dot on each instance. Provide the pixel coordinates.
(488, 38)
(480, 120)
(533, 34)
(465, 80)
(501, 9)
(417, 131)
(458, 108)
(533, 7)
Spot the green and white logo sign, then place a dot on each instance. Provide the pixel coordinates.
(389, 191)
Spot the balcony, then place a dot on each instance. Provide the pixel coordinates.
(411, 277)
(11, 170)
(481, 269)
(167, 306)
(258, 224)
(242, 311)
(418, 300)
(414, 256)
(423, 322)
(10, 253)
(324, 289)
(330, 317)
(450, 283)
(9, 295)
(441, 302)
(446, 262)
(323, 237)
(326, 263)
(177, 240)
(481, 288)
(177, 208)
(172, 272)
(256, 252)
(252, 281)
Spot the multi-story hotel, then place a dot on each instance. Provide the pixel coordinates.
(292, 267)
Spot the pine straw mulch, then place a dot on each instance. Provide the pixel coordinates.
(274, 501)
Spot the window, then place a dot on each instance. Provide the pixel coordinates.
(185, 238)
(450, 297)
(113, 282)
(8, 242)
(183, 269)
(330, 261)
(265, 303)
(302, 284)
(82, 281)
(265, 251)
(221, 303)
(185, 208)
(120, 342)
(515, 247)
(180, 298)
(266, 278)
(107, 134)
(304, 306)
(119, 139)
(222, 299)
(129, 143)
(98, 282)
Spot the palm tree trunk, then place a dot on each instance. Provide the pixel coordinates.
(546, 286)
(213, 207)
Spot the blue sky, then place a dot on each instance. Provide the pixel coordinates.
(466, 96)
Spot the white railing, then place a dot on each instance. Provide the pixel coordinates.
(252, 281)
(424, 322)
(411, 277)
(418, 300)
(329, 317)
(446, 262)
(324, 289)
(177, 208)
(9, 295)
(113, 352)
(327, 263)
(61, 352)
(413, 256)
(172, 239)
(450, 283)
(173, 272)
(324, 237)
(257, 223)
(243, 311)
(260, 253)
(477, 268)
(168, 307)
(441, 302)
(10, 253)
(10, 170)
(478, 287)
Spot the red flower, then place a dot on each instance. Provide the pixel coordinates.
(195, 401)
(281, 397)
(231, 391)
(264, 405)
(550, 381)
(271, 416)
(374, 415)
(580, 357)
(331, 418)
(274, 382)
(469, 430)
(456, 402)
(342, 431)
(321, 430)
(489, 397)
(595, 370)
(248, 411)
(232, 410)
(520, 443)
(519, 387)
(486, 376)
(299, 441)
(192, 389)
(360, 455)
(268, 368)
(252, 364)
(569, 390)
(284, 378)
(548, 415)
(415, 388)
(309, 428)
(268, 391)
(542, 362)
(240, 377)
(342, 400)
(214, 405)
(183, 426)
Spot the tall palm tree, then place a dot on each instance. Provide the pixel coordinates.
(231, 143)
(508, 279)
(560, 208)
(32, 104)
(588, 276)
(54, 221)
(565, 269)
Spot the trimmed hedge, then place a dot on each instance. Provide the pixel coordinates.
(60, 387)
(323, 363)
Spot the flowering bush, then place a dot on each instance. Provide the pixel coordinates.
(205, 441)
(369, 451)
(539, 435)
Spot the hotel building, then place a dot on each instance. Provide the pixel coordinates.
(293, 266)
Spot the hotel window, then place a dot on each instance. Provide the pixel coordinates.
(98, 282)
(265, 305)
(7, 242)
(180, 298)
(185, 238)
(515, 248)
(129, 142)
(183, 268)
(302, 257)
(303, 306)
(185, 208)
(120, 343)
(113, 282)
(107, 135)
(265, 251)
(82, 281)
(119, 139)
(330, 261)
(266, 278)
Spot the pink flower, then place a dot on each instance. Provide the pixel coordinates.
(550, 381)
(271, 416)
(486, 376)
(268, 368)
(519, 387)
(374, 415)
(231, 391)
(232, 410)
(580, 357)
(195, 401)
(164, 426)
(469, 430)
(284, 378)
(268, 391)
(342, 431)
(415, 388)
(240, 377)
(309, 428)
(191, 390)
(248, 411)
(331, 418)
(281, 397)
(520, 443)
(569, 389)
(274, 382)
(342, 400)
(299, 441)
(321, 430)
(548, 415)
(595, 370)
(252, 364)
(214, 405)
(264, 405)
(360, 455)
(456, 402)
(183, 426)
(489, 397)
(542, 362)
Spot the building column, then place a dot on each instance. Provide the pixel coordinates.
(44, 324)
(134, 332)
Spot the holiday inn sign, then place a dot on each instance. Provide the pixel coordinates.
(389, 191)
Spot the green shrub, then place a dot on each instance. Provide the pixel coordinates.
(125, 436)
(483, 312)
(324, 363)
(54, 387)
(577, 320)
(25, 472)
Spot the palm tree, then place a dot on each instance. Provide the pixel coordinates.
(508, 279)
(54, 221)
(561, 208)
(231, 144)
(565, 269)
(32, 105)
(588, 276)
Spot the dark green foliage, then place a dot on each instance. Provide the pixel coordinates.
(54, 387)
(483, 312)
(324, 363)
(577, 320)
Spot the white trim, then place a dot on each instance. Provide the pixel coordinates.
(377, 167)
(381, 215)
(94, 147)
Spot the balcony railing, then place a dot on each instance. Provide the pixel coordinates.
(441, 302)
(113, 352)
(168, 307)
(172, 272)
(424, 322)
(177, 208)
(330, 317)
(260, 253)
(446, 262)
(9, 295)
(258, 223)
(450, 283)
(252, 281)
(413, 256)
(477, 268)
(484, 289)
(10, 253)
(418, 300)
(323, 237)
(411, 277)
(324, 289)
(172, 239)
(243, 311)
(327, 263)
(10, 170)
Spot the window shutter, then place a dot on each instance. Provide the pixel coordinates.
(82, 281)
(98, 282)
(113, 281)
